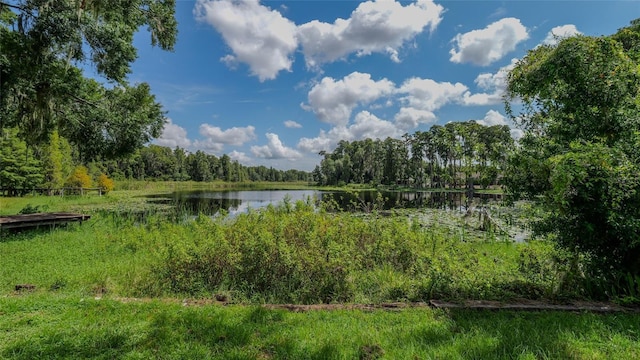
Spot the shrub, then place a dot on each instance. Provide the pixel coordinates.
(105, 183)
(79, 178)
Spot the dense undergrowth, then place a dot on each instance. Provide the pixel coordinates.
(294, 253)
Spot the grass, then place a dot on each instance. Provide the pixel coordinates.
(286, 253)
(37, 326)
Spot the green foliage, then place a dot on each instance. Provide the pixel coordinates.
(31, 209)
(19, 169)
(58, 161)
(291, 253)
(43, 90)
(115, 122)
(448, 156)
(595, 197)
(580, 154)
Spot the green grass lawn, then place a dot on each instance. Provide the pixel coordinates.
(61, 327)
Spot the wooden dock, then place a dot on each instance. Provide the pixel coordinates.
(39, 219)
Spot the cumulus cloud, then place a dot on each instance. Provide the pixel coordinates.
(410, 118)
(560, 32)
(292, 124)
(430, 95)
(333, 100)
(173, 136)
(516, 134)
(365, 125)
(216, 138)
(239, 156)
(265, 40)
(485, 46)
(380, 26)
(493, 117)
(324, 141)
(275, 149)
(258, 36)
(494, 85)
(209, 145)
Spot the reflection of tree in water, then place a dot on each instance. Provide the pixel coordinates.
(196, 203)
(407, 200)
(208, 203)
(205, 206)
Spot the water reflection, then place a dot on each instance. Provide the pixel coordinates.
(387, 200)
(234, 202)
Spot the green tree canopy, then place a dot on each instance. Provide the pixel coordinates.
(41, 44)
(580, 153)
(19, 169)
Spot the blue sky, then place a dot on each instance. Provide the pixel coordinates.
(274, 82)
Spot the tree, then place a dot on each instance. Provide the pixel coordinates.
(41, 41)
(19, 169)
(199, 169)
(57, 161)
(580, 155)
(115, 122)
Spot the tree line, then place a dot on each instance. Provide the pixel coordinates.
(57, 164)
(155, 162)
(456, 155)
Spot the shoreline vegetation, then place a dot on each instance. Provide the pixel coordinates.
(290, 253)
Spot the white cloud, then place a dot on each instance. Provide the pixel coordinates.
(275, 149)
(410, 118)
(380, 26)
(258, 36)
(516, 134)
(173, 136)
(292, 124)
(333, 101)
(493, 117)
(239, 156)
(323, 141)
(231, 136)
(209, 145)
(560, 32)
(430, 95)
(483, 47)
(494, 84)
(367, 125)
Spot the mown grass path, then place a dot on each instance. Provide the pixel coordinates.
(37, 326)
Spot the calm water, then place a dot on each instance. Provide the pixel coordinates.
(211, 202)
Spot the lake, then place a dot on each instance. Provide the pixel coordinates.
(209, 202)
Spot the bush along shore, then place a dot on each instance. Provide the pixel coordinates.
(289, 253)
